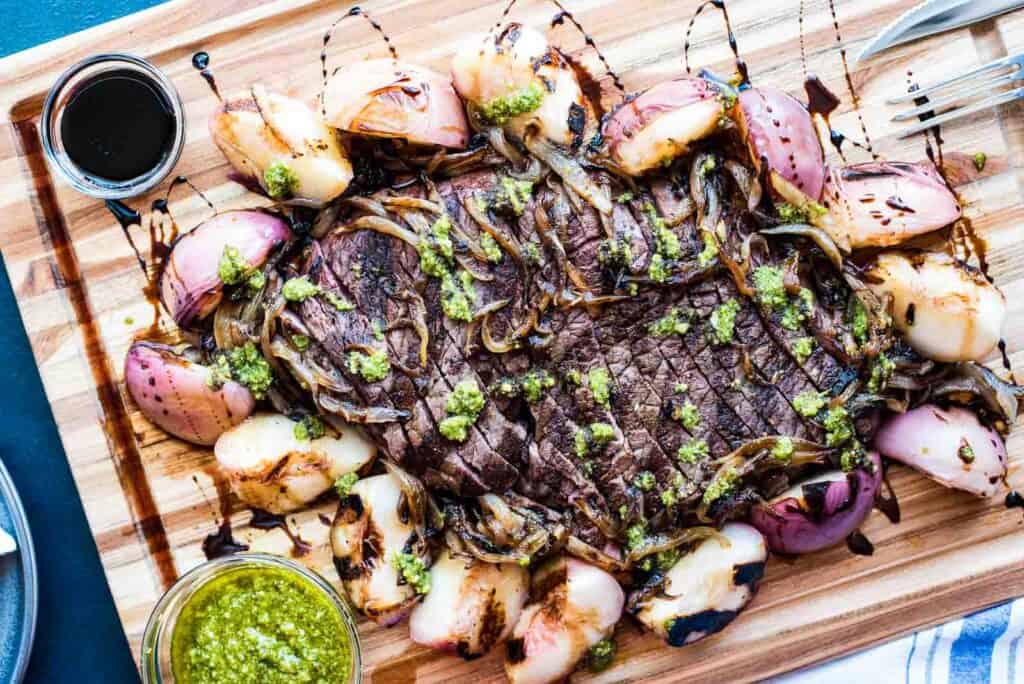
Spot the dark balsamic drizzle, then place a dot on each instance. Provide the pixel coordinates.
(560, 18)
(355, 11)
(741, 66)
(1014, 500)
(265, 520)
(859, 544)
(888, 505)
(222, 542)
(201, 63)
(854, 96)
(126, 218)
(117, 423)
(1006, 360)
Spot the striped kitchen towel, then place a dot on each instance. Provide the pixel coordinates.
(986, 647)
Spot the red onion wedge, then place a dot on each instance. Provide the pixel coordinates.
(780, 133)
(174, 393)
(879, 204)
(820, 512)
(390, 99)
(190, 286)
(951, 446)
(661, 123)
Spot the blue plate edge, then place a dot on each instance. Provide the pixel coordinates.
(27, 551)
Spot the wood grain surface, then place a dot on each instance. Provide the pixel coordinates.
(951, 553)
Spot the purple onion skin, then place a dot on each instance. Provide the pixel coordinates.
(780, 133)
(190, 286)
(790, 526)
(173, 393)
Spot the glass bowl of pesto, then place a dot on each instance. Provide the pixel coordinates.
(251, 617)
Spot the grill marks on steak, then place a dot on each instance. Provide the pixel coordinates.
(741, 390)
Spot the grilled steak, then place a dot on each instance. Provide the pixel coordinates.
(695, 366)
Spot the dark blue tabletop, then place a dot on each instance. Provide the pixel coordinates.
(79, 637)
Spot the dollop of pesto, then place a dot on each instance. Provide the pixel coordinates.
(809, 403)
(309, 428)
(299, 289)
(343, 485)
(455, 301)
(636, 535)
(723, 321)
(838, 426)
(593, 437)
(687, 414)
(710, 250)
(246, 366)
(881, 369)
(783, 450)
(600, 384)
(280, 180)
(233, 269)
(373, 367)
(499, 110)
(979, 159)
(666, 242)
(413, 570)
(534, 383)
(707, 166)
(614, 254)
(490, 248)
(301, 342)
(853, 458)
(803, 348)
(658, 270)
(771, 291)
(601, 655)
(672, 323)
(262, 625)
(791, 213)
(857, 317)
(463, 407)
(693, 451)
(517, 193)
(724, 484)
(644, 481)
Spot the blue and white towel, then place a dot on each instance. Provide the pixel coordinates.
(985, 648)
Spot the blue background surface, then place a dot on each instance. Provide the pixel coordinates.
(79, 637)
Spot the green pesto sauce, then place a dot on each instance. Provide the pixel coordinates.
(374, 366)
(687, 414)
(309, 428)
(693, 451)
(299, 289)
(881, 369)
(244, 365)
(658, 271)
(710, 251)
(723, 484)
(771, 291)
(491, 248)
(808, 403)
(803, 348)
(858, 318)
(260, 625)
(463, 407)
(343, 485)
(672, 323)
(723, 321)
(501, 109)
(614, 253)
(600, 385)
(534, 383)
(783, 450)
(790, 213)
(645, 481)
(838, 426)
(280, 180)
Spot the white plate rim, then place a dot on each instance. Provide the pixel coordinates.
(27, 551)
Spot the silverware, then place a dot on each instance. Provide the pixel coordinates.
(963, 89)
(936, 16)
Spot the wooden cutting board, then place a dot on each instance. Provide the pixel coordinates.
(151, 500)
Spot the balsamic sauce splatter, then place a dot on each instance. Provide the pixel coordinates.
(265, 520)
(859, 544)
(355, 11)
(1014, 500)
(560, 18)
(201, 63)
(854, 96)
(126, 218)
(741, 66)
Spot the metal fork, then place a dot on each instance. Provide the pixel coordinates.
(980, 81)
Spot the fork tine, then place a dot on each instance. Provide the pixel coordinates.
(991, 66)
(987, 103)
(940, 102)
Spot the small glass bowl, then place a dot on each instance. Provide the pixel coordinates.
(59, 96)
(155, 660)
